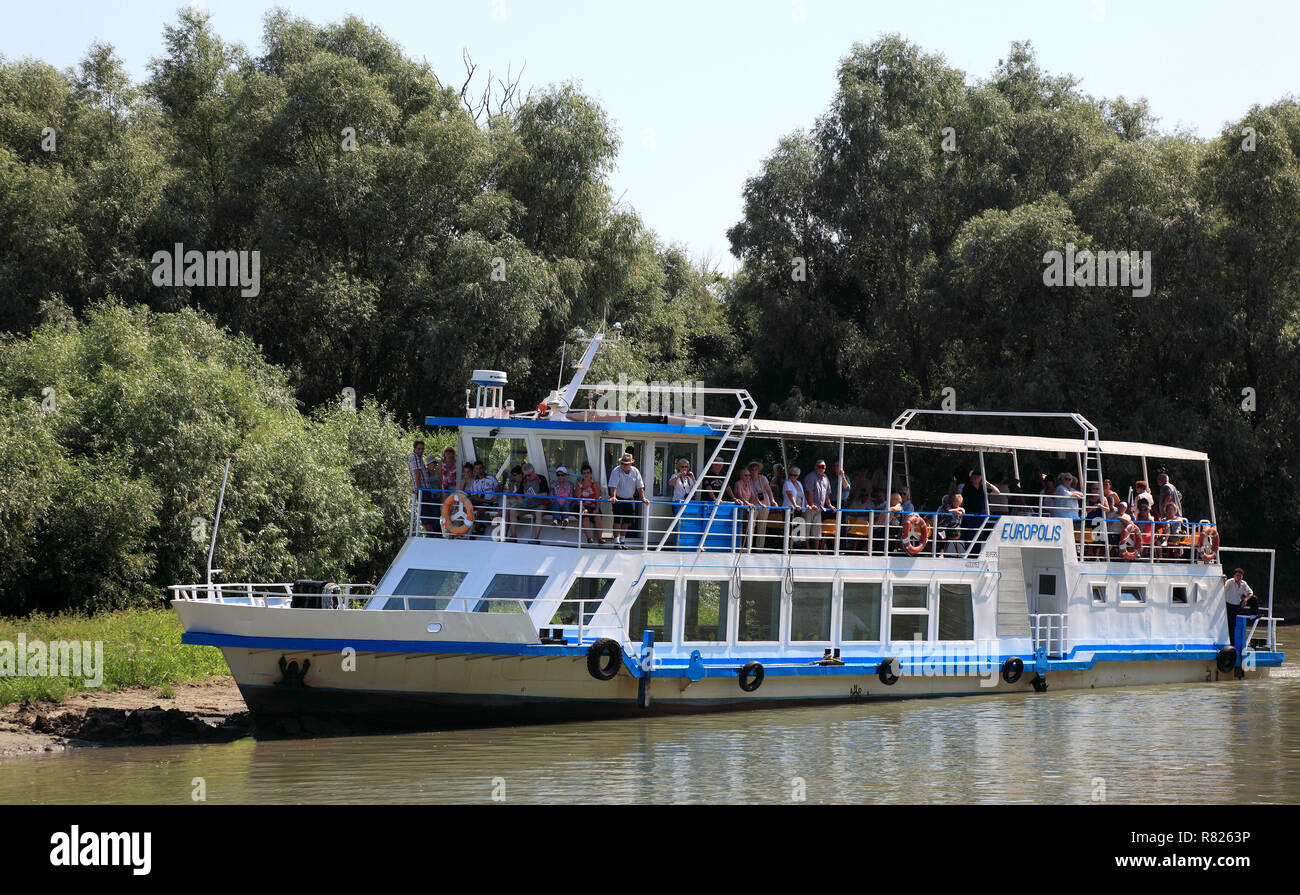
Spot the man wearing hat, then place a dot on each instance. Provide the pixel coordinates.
(625, 484)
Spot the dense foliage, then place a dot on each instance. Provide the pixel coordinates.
(108, 488)
(891, 251)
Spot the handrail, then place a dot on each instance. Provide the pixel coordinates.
(760, 527)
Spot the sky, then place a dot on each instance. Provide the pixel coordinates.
(702, 91)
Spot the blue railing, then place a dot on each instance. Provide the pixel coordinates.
(747, 528)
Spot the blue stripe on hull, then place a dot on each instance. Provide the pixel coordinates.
(774, 665)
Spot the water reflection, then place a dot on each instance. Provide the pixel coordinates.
(1185, 743)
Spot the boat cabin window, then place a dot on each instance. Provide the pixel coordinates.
(584, 596)
(760, 611)
(652, 611)
(956, 612)
(1046, 585)
(810, 611)
(1132, 594)
(666, 456)
(861, 615)
(425, 583)
(570, 453)
(909, 613)
(1099, 593)
(500, 455)
(614, 449)
(705, 620)
(512, 588)
(1178, 595)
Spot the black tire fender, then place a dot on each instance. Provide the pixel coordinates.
(1012, 669)
(887, 671)
(602, 648)
(1226, 660)
(751, 676)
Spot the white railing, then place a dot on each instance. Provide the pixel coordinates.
(1051, 631)
(582, 618)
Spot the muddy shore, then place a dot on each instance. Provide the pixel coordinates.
(208, 711)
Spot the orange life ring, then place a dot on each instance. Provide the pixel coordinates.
(908, 541)
(457, 513)
(1207, 543)
(1130, 544)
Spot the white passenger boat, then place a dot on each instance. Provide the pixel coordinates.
(501, 610)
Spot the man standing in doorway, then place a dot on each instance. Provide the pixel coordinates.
(1235, 592)
(625, 483)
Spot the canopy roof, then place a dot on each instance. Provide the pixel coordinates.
(958, 441)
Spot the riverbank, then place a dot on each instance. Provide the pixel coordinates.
(108, 651)
(210, 710)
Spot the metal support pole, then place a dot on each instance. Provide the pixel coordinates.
(1209, 491)
(216, 523)
(839, 501)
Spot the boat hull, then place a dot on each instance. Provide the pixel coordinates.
(414, 691)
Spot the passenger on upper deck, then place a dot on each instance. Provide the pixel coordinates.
(817, 491)
(1067, 499)
(1141, 492)
(777, 483)
(949, 524)
(683, 480)
(562, 493)
(447, 471)
(589, 493)
(793, 498)
(417, 466)
(972, 498)
(1168, 493)
(481, 495)
(712, 483)
(840, 482)
(625, 484)
(764, 497)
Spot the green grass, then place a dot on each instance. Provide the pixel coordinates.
(142, 648)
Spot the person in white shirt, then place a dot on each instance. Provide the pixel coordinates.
(792, 496)
(682, 481)
(1235, 592)
(625, 484)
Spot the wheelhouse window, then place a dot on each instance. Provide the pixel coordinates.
(571, 453)
(584, 596)
(956, 612)
(760, 611)
(909, 617)
(810, 611)
(1132, 595)
(425, 583)
(860, 619)
(705, 620)
(652, 611)
(499, 455)
(506, 589)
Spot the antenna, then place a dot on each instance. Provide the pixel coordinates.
(221, 500)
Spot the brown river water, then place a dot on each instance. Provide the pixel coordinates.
(1229, 742)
